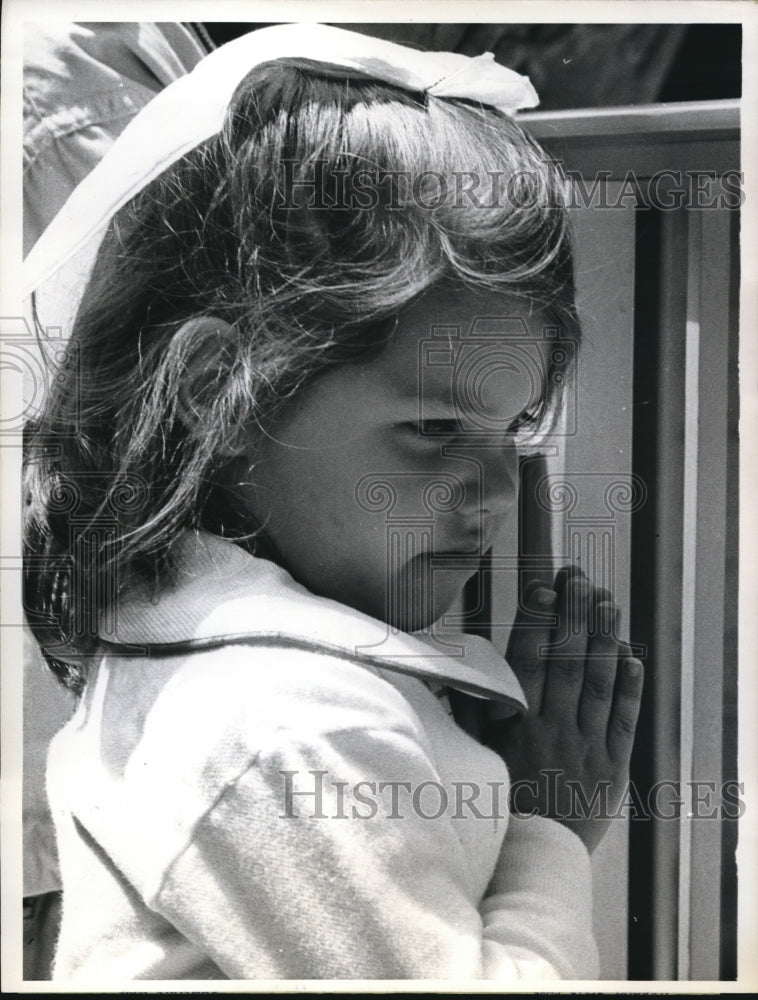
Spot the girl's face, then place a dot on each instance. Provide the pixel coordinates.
(382, 481)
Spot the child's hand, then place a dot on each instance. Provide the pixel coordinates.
(583, 695)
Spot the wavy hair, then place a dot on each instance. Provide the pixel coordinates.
(327, 204)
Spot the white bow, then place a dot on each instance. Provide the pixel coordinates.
(192, 109)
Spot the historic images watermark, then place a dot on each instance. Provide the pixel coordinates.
(325, 187)
(314, 794)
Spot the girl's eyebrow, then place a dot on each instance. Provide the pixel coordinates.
(443, 402)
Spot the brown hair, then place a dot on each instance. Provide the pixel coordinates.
(247, 227)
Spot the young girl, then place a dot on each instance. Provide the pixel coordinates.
(287, 426)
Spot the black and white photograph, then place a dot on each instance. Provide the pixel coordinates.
(379, 397)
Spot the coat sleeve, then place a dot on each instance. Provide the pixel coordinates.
(315, 863)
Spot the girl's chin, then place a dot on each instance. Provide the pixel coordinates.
(417, 596)
(421, 598)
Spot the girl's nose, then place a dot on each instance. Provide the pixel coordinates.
(499, 474)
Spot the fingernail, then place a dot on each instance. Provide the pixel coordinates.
(633, 668)
(608, 615)
(570, 570)
(545, 598)
(577, 595)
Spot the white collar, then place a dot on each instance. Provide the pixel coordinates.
(223, 593)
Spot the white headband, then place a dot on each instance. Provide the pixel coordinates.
(192, 109)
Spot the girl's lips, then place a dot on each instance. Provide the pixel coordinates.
(476, 544)
(474, 550)
(472, 541)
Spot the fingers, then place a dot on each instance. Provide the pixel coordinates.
(565, 573)
(531, 633)
(601, 596)
(625, 710)
(600, 671)
(625, 652)
(571, 571)
(586, 674)
(563, 683)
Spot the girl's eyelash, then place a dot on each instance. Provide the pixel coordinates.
(448, 427)
(526, 419)
(437, 428)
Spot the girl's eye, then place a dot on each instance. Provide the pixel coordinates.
(524, 420)
(450, 428)
(438, 428)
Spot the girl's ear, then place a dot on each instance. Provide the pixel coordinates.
(204, 350)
